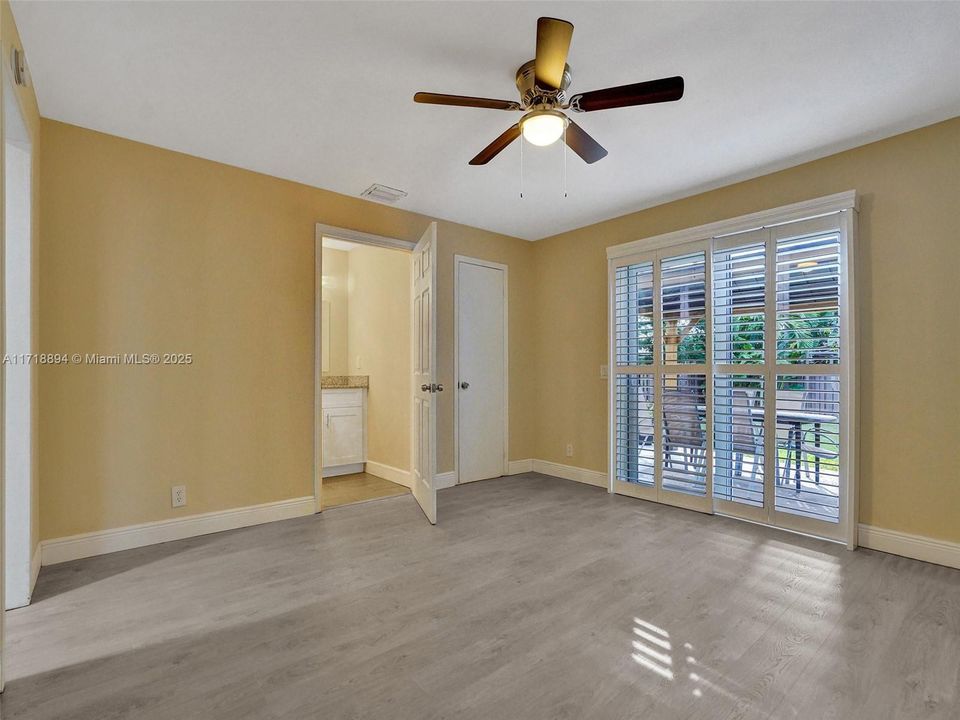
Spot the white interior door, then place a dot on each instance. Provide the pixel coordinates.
(425, 387)
(481, 369)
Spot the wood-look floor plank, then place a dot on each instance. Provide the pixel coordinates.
(534, 598)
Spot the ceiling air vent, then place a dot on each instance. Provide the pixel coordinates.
(382, 193)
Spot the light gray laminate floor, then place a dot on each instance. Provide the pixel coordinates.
(534, 598)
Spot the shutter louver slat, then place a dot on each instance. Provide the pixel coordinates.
(739, 293)
(808, 299)
(738, 403)
(808, 446)
(684, 455)
(633, 297)
(635, 434)
(683, 303)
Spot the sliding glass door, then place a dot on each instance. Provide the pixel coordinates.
(661, 376)
(740, 407)
(810, 359)
(730, 375)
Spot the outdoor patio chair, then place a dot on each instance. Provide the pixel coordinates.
(683, 432)
(746, 435)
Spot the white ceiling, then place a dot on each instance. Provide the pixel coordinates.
(322, 92)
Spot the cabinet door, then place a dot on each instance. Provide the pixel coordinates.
(342, 436)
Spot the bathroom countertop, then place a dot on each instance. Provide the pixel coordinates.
(342, 382)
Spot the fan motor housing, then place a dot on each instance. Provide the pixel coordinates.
(532, 95)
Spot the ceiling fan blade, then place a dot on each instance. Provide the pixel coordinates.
(644, 93)
(494, 148)
(580, 141)
(553, 44)
(465, 101)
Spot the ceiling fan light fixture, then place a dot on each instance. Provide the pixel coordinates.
(543, 83)
(543, 127)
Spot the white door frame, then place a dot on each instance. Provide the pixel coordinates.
(22, 455)
(5, 95)
(459, 260)
(361, 238)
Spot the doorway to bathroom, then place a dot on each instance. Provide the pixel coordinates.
(364, 331)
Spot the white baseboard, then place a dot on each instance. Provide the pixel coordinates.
(35, 567)
(335, 470)
(388, 472)
(133, 536)
(444, 480)
(518, 467)
(941, 552)
(918, 547)
(569, 472)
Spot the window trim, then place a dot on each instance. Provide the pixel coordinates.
(806, 210)
(845, 205)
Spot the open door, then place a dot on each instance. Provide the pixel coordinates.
(425, 387)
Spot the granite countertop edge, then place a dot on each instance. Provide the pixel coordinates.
(344, 382)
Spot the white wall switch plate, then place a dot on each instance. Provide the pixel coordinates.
(604, 371)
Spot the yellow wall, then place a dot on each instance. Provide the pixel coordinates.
(147, 250)
(379, 335)
(10, 38)
(335, 268)
(908, 295)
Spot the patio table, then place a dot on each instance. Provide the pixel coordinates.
(796, 419)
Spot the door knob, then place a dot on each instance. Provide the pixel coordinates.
(438, 388)
(425, 388)
(464, 385)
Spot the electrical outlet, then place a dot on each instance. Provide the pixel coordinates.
(604, 371)
(178, 495)
(569, 449)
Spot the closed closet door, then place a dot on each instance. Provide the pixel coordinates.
(481, 369)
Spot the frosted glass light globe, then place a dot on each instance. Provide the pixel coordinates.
(543, 128)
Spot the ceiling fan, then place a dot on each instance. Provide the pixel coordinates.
(543, 84)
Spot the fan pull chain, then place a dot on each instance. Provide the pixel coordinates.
(564, 160)
(521, 167)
